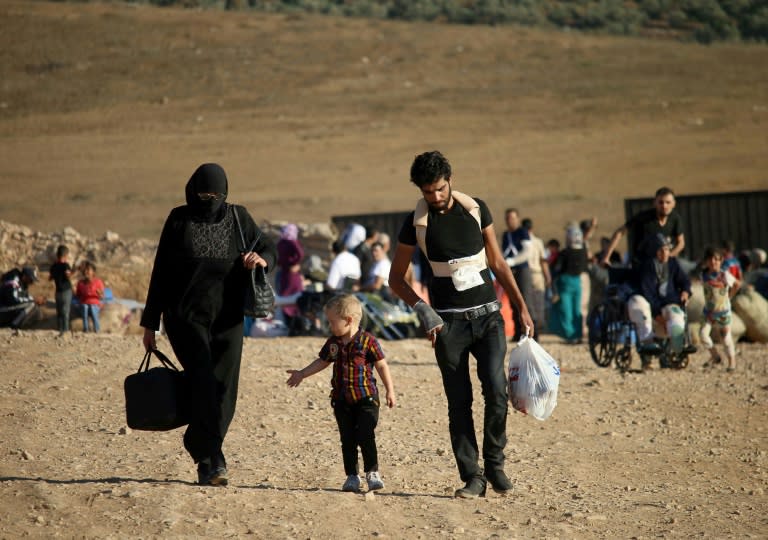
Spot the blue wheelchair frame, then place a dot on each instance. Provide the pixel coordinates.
(612, 334)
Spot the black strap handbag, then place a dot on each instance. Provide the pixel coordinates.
(259, 298)
(156, 399)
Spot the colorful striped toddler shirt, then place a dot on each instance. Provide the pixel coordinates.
(353, 377)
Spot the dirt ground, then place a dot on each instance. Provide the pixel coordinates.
(107, 108)
(660, 454)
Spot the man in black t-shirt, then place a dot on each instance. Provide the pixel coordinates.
(646, 225)
(455, 232)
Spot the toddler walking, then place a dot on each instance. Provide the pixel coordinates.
(353, 352)
(719, 288)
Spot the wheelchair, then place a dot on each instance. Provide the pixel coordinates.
(612, 335)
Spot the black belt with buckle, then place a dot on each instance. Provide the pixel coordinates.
(474, 313)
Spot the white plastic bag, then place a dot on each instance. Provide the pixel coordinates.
(533, 379)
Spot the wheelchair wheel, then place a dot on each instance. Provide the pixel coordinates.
(602, 342)
(624, 357)
(676, 361)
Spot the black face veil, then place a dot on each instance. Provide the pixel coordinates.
(208, 178)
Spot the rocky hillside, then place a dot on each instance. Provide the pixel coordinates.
(124, 265)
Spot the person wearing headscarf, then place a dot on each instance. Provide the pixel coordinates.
(565, 317)
(198, 288)
(289, 279)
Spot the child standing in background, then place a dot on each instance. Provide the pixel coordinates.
(354, 395)
(719, 288)
(90, 292)
(60, 273)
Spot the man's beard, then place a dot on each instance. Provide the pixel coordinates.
(443, 205)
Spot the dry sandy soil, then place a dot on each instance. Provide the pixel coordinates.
(661, 454)
(106, 109)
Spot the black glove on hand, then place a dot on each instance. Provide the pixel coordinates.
(429, 318)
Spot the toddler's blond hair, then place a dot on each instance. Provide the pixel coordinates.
(345, 305)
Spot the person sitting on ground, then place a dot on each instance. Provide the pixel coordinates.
(384, 239)
(378, 277)
(719, 287)
(664, 291)
(344, 273)
(17, 305)
(363, 251)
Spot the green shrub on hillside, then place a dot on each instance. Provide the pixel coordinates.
(704, 20)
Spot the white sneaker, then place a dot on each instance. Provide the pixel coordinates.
(374, 481)
(352, 483)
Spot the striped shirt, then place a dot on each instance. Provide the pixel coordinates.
(353, 377)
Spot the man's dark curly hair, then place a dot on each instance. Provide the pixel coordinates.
(430, 167)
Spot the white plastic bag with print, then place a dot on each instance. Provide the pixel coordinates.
(533, 379)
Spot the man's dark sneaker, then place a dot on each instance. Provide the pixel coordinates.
(500, 482)
(473, 489)
(689, 349)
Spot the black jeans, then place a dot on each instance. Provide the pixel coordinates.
(484, 338)
(357, 424)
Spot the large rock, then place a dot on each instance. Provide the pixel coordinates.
(752, 307)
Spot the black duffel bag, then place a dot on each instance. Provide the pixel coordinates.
(156, 399)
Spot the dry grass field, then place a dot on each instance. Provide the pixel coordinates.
(107, 108)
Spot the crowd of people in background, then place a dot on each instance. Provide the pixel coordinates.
(84, 299)
(556, 278)
(448, 268)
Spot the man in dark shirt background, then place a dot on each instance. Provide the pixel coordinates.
(646, 225)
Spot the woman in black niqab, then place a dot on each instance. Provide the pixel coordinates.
(198, 289)
(208, 179)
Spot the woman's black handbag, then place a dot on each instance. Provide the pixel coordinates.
(259, 298)
(156, 399)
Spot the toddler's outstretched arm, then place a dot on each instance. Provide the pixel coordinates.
(298, 375)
